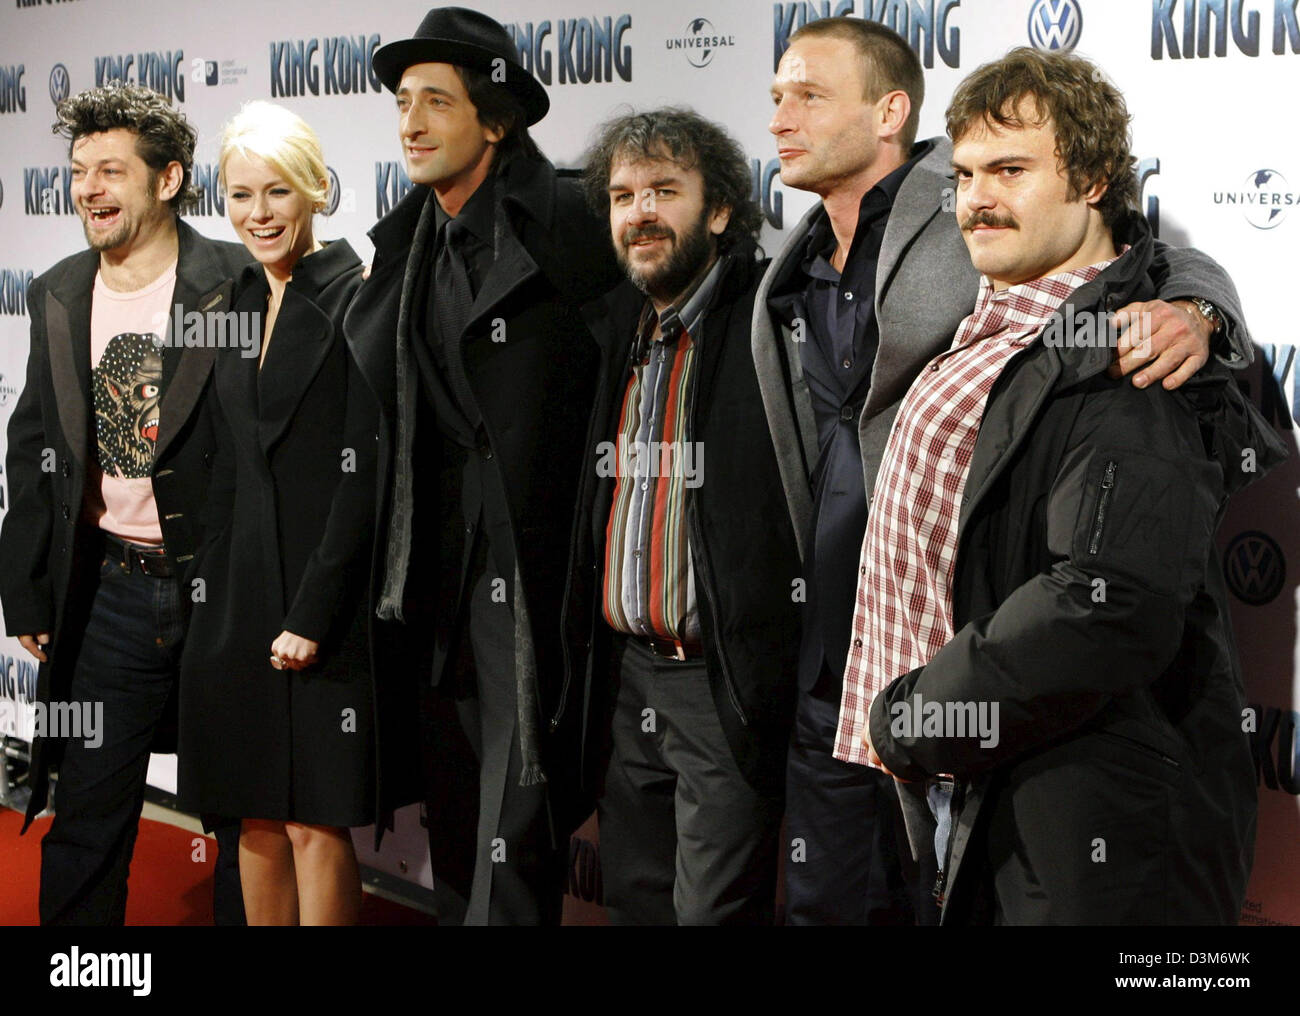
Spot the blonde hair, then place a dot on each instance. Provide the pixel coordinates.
(283, 140)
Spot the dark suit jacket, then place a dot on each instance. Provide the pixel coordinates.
(42, 541)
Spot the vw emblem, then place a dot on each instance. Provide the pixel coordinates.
(1255, 568)
(1055, 25)
(332, 193)
(60, 85)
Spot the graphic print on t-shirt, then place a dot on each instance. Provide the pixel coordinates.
(127, 383)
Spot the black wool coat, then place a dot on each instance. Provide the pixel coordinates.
(533, 387)
(49, 566)
(743, 547)
(1089, 607)
(287, 536)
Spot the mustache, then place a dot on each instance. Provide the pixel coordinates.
(988, 219)
(633, 234)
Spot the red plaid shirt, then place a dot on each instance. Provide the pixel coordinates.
(904, 601)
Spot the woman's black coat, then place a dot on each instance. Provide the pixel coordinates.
(287, 535)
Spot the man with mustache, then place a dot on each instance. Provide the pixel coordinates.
(682, 615)
(868, 287)
(1041, 550)
(97, 535)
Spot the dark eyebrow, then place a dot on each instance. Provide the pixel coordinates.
(426, 90)
(1002, 160)
(794, 83)
(663, 181)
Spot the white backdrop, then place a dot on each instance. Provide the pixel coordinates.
(1211, 84)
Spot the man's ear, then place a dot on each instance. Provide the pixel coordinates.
(718, 219)
(892, 110)
(169, 181)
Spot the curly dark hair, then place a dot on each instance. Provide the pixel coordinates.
(163, 135)
(692, 142)
(1086, 111)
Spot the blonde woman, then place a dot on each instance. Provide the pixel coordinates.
(277, 702)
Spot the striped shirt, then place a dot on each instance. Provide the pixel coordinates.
(649, 578)
(903, 614)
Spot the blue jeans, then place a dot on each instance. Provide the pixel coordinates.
(127, 658)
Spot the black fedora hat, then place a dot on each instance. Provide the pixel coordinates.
(456, 35)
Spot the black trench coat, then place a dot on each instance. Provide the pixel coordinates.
(287, 533)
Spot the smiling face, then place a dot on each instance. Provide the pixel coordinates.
(825, 129)
(271, 217)
(1014, 206)
(663, 234)
(122, 203)
(445, 145)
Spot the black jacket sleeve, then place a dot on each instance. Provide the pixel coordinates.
(1130, 523)
(25, 585)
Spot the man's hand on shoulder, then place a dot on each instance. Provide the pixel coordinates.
(1169, 341)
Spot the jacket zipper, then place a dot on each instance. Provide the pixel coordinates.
(1143, 747)
(954, 809)
(1099, 518)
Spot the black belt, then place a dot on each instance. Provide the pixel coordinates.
(668, 648)
(150, 560)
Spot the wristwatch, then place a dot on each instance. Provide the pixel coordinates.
(1208, 311)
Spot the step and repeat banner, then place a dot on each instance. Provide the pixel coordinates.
(1212, 86)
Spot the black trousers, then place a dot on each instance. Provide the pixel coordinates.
(490, 840)
(849, 862)
(684, 838)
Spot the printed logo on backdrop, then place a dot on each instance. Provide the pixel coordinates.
(332, 193)
(163, 70)
(1183, 29)
(211, 199)
(575, 50)
(1265, 198)
(2, 193)
(391, 185)
(13, 303)
(766, 177)
(60, 83)
(47, 190)
(1055, 25)
(13, 93)
(335, 65)
(1255, 568)
(213, 73)
(1149, 203)
(925, 24)
(699, 42)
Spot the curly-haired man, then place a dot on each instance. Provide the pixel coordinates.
(105, 491)
(683, 613)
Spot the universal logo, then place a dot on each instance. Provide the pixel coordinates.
(700, 41)
(7, 391)
(1264, 198)
(1055, 25)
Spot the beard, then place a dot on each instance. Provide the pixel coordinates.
(667, 277)
(109, 241)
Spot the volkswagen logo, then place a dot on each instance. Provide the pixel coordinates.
(1055, 25)
(332, 193)
(60, 85)
(1255, 568)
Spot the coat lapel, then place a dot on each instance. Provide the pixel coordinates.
(67, 322)
(299, 345)
(920, 199)
(204, 286)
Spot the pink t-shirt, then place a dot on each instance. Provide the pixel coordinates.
(126, 379)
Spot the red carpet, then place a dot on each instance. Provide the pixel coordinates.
(168, 885)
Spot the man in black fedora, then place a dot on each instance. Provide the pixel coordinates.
(468, 330)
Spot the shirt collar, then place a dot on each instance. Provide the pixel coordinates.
(476, 215)
(687, 310)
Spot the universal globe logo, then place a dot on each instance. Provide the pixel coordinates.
(701, 41)
(1267, 198)
(1055, 25)
(60, 83)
